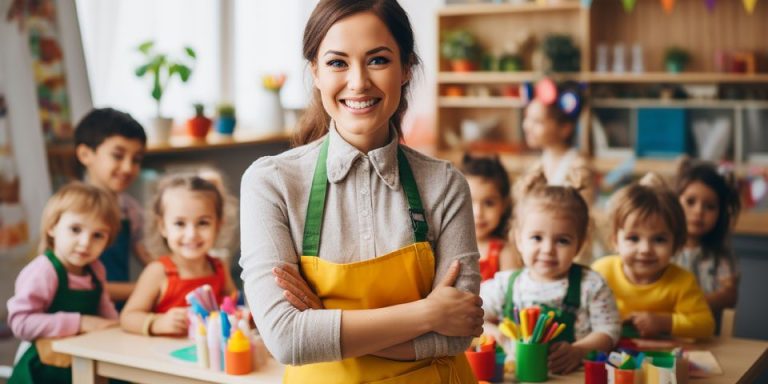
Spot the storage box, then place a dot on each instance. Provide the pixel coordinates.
(661, 132)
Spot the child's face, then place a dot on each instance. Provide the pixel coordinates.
(359, 74)
(78, 239)
(646, 248)
(487, 205)
(701, 207)
(189, 223)
(541, 130)
(114, 164)
(547, 241)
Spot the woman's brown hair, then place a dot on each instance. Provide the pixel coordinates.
(315, 120)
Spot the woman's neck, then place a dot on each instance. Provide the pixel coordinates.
(367, 141)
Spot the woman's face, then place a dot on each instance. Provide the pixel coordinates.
(359, 74)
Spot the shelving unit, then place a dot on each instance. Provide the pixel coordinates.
(690, 25)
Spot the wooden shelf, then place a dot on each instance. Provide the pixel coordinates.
(664, 77)
(479, 77)
(480, 102)
(187, 144)
(752, 223)
(689, 103)
(486, 9)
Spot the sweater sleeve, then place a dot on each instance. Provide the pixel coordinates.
(692, 316)
(292, 336)
(454, 241)
(603, 313)
(34, 292)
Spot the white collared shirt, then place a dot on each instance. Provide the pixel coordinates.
(366, 215)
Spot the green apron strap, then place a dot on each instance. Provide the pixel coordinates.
(316, 206)
(61, 272)
(572, 300)
(415, 210)
(509, 303)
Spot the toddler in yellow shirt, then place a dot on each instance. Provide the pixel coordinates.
(654, 296)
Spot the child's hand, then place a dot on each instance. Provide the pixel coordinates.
(173, 322)
(455, 312)
(651, 324)
(564, 357)
(297, 291)
(90, 323)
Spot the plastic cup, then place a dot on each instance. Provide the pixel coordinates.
(483, 363)
(595, 373)
(531, 362)
(498, 372)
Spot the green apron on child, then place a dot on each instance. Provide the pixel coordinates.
(29, 369)
(566, 314)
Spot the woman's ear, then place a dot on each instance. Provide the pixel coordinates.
(313, 70)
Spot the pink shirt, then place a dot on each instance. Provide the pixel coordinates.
(35, 289)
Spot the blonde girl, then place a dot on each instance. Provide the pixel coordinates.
(655, 297)
(62, 292)
(188, 213)
(550, 226)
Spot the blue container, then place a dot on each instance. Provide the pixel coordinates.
(225, 125)
(661, 132)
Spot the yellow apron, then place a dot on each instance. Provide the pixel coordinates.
(402, 276)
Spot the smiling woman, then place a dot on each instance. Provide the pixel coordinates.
(396, 245)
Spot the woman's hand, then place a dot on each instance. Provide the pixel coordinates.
(296, 289)
(173, 322)
(564, 358)
(90, 323)
(455, 312)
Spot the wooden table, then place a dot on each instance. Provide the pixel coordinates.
(140, 359)
(116, 354)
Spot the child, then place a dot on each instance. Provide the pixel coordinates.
(654, 296)
(711, 205)
(60, 293)
(110, 144)
(550, 227)
(188, 214)
(491, 205)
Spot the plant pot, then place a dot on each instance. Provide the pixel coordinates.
(160, 130)
(269, 113)
(225, 125)
(462, 65)
(674, 66)
(198, 127)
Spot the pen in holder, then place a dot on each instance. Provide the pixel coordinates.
(532, 334)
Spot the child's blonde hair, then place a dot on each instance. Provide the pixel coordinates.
(533, 188)
(156, 243)
(79, 198)
(648, 197)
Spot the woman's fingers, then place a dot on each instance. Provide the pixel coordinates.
(450, 277)
(295, 301)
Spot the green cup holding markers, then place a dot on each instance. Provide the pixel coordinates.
(533, 331)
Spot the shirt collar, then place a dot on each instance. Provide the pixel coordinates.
(342, 156)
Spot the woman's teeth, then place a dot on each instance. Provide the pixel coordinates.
(360, 104)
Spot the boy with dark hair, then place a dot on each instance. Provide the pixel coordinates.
(110, 145)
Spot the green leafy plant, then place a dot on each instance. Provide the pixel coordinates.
(562, 53)
(225, 110)
(676, 58)
(162, 68)
(460, 45)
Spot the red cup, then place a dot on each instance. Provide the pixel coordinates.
(595, 373)
(483, 363)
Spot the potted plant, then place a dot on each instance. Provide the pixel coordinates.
(562, 53)
(225, 122)
(675, 59)
(162, 69)
(461, 49)
(198, 126)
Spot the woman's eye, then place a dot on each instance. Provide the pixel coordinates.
(379, 60)
(336, 64)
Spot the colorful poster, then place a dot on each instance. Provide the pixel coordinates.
(38, 17)
(13, 220)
